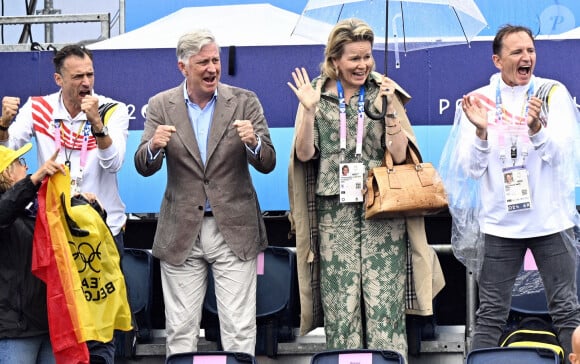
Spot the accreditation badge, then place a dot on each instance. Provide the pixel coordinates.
(75, 183)
(517, 189)
(350, 178)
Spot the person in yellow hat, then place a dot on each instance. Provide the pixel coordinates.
(23, 318)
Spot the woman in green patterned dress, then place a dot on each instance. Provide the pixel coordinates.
(362, 262)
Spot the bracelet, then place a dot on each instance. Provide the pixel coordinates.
(4, 128)
(395, 133)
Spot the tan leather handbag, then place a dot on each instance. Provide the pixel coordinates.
(410, 189)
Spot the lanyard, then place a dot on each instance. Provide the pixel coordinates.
(499, 109)
(85, 128)
(360, 118)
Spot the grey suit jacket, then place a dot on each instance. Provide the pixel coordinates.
(224, 181)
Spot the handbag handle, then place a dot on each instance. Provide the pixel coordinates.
(388, 158)
(425, 178)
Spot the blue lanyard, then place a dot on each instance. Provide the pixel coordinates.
(360, 118)
(499, 113)
(499, 103)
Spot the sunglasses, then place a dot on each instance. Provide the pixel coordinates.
(21, 161)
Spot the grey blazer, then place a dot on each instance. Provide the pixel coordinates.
(224, 181)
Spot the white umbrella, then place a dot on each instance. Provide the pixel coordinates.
(403, 24)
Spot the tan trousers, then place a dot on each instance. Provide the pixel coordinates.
(184, 288)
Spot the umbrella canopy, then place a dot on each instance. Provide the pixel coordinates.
(548, 19)
(403, 25)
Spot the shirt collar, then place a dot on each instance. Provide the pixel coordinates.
(61, 113)
(188, 101)
(505, 87)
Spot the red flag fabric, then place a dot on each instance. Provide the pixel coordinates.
(75, 254)
(62, 325)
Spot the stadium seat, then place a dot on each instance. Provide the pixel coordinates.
(138, 270)
(511, 355)
(275, 292)
(362, 356)
(213, 357)
(528, 296)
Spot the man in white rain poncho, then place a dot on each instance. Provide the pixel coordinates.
(510, 168)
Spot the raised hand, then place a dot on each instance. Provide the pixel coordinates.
(10, 107)
(533, 120)
(90, 106)
(161, 138)
(476, 113)
(388, 88)
(246, 132)
(49, 168)
(307, 95)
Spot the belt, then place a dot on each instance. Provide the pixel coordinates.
(208, 214)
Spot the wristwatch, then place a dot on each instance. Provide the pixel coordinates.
(101, 134)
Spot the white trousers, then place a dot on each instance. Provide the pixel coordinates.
(184, 288)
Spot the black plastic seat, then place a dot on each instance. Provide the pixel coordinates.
(358, 356)
(211, 357)
(138, 271)
(274, 302)
(528, 296)
(511, 355)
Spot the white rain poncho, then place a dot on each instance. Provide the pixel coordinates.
(468, 167)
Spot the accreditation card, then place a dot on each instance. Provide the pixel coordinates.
(517, 189)
(350, 177)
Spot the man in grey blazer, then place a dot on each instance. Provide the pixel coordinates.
(208, 133)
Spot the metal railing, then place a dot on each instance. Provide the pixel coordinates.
(103, 18)
(470, 296)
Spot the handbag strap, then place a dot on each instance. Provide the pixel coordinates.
(388, 158)
(426, 179)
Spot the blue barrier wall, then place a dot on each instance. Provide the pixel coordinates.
(435, 78)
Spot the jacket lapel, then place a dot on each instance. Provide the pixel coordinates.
(184, 132)
(222, 117)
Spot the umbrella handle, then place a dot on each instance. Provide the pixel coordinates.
(380, 115)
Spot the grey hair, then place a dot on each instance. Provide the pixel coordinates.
(191, 44)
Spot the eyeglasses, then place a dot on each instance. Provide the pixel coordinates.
(22, 161)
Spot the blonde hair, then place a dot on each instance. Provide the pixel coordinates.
(344, 32)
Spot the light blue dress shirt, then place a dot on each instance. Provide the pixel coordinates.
(200, 120)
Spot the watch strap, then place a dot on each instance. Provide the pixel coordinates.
(103, 133)
(5, 128)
